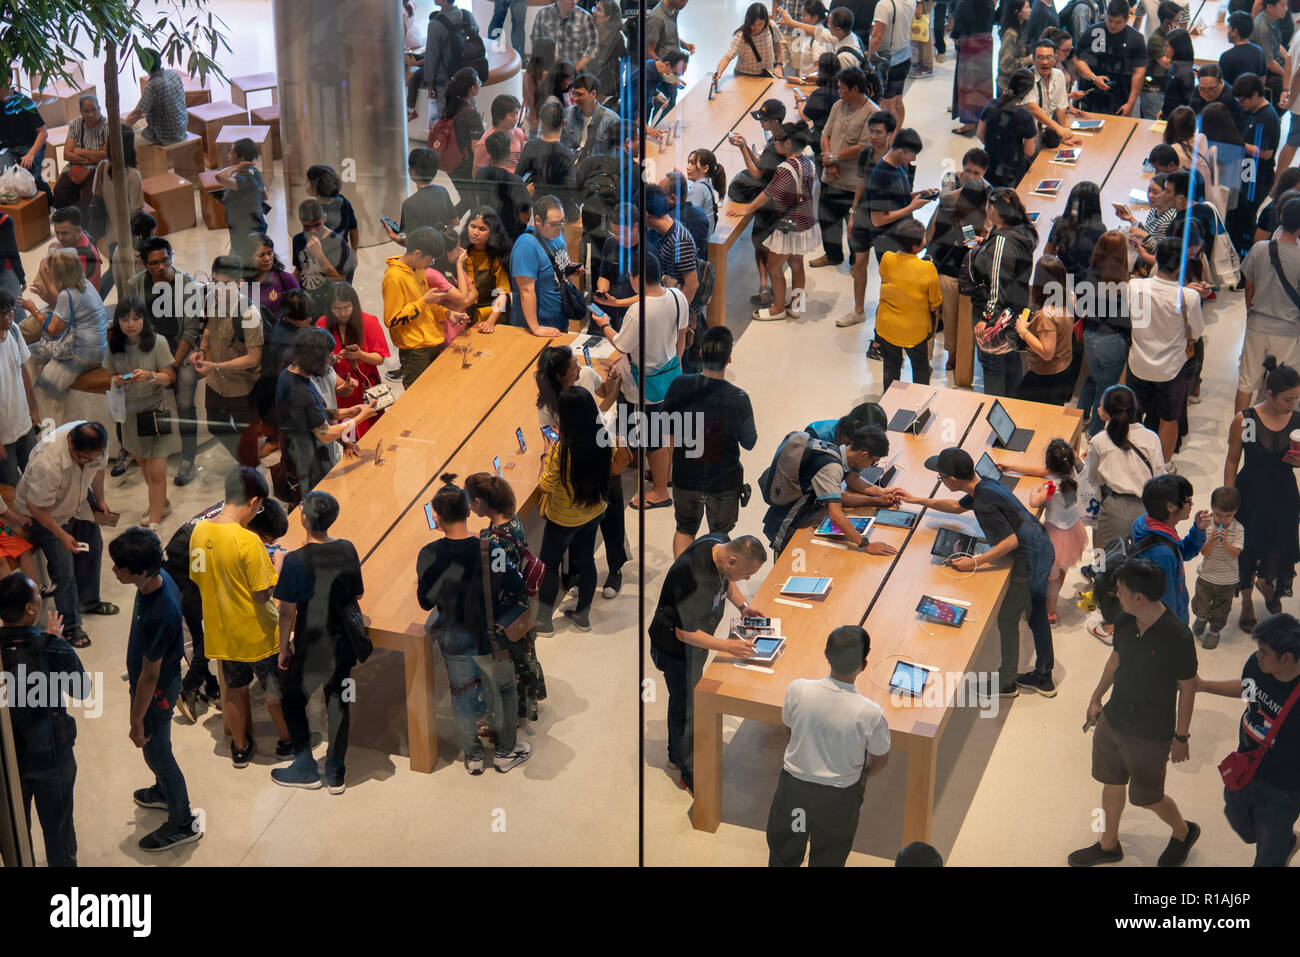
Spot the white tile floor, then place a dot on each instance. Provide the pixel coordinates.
(576, 801)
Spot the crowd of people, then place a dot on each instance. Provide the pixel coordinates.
(544, 203)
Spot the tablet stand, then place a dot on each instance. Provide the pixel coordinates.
(1019, 441)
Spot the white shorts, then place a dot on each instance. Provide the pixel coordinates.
(1258, 346)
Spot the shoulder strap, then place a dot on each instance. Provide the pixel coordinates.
(1145, 461)
(1276, 259)
(1281, 716)
(550, 255)
(485, 572)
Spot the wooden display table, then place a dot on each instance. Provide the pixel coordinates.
(207, 120)
(55, 137)
(31, 221)
(172, 199)
(241, 86)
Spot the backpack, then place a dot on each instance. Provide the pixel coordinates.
(708, 276)
(1117, 552)
(780, 483)
(600, 197)
(1067, 18)
(464, 46)
(442, 140)
(268, 323)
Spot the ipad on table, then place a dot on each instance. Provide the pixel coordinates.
(861, 525)
(766, 650)
(805, 585)
(909, 677)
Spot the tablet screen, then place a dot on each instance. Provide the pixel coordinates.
(909, 678)
(805, 585)
(860, 525)
(1001, 422)
(895, 517)
(766, 647)
(986, 468)
(943, 612)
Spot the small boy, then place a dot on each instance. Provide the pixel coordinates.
(244, 198)
(1216, 579)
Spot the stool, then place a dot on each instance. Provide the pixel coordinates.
(241, 86)
(261, 135)
(54, 140)
(213, 209)
(207, 119)
(270, 116)
(196, 93)
(31, 221)
(172, 198)
(185, 156)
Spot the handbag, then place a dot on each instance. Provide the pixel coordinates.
(1224, 261)
(97, 217)
(79, 174)
(1239, 767)
(786, 224)
(354, 631)
(575, 307)
(64, 347)
(153, 422)
(508, 628)
(744, 187)
(658, 381)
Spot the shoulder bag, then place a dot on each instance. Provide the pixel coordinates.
(575, 307)
(786, 223)
(1239, 767)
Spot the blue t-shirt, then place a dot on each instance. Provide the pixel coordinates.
(823, 429)
(156, 634)
(529, 259)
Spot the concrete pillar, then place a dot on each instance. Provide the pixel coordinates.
(342, 102)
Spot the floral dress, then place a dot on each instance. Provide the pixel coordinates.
(531, 682)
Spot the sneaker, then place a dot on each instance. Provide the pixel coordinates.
(185, 474)
(613, 585)
(187, 703)
(764, 297)
(873, 351)
(241, 756)
(510, 759)
(545, 626)
(1211, 640)
(334, 782)
(146, 514)
(151, 797)
(121, 463)
(1038, 682)
(1198, 627)
(1095, 854)
(579, 619)
(1097, 628)
(284, 749)
(767, 315)
(1011, 690)
(474, 766)
(851, 319)
(171, 835)
(299, 774)
(1176, 851)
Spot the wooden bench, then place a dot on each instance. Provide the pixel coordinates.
(270, 116)
(185, 157)
(172, 198)
(31, 221)
(212, 208)
(261, 135)
(207, 119)
(241, 86)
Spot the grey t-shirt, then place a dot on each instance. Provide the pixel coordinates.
(1272, 311)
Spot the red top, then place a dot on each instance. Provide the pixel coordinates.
(366, 374)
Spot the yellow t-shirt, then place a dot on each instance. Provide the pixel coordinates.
(229, 563)
(909, 289)
(560, 507)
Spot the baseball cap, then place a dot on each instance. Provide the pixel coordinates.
(952, 462)
(770, 110)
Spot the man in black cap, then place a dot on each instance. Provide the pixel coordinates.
(1013, 531)
(762, 166)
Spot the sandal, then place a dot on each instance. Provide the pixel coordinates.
(101, 608)
(1247, 624)
(649, 505)
(78, 639)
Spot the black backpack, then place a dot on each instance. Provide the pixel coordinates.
(1118, 551)
(464, 45)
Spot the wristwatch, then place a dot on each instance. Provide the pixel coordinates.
(1181, 738)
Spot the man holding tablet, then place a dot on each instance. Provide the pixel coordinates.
(1013, 531)
(691, 605)
(833, 730)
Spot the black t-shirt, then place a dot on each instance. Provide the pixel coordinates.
(244, 203)
(1005, 132)
(947, 249)
(1261, 128)
(817, 108)
(888, 190)
(311, 275)
(448, 571)
(1000, 514)
(301, 411)
(1076, 255)
(768, 162)
(1114, 56)
(503, 191)
(43, 736)
(616, 265)
(709, 462)
(156, 634)
(1265, 696)
(322, 579)
(427, 206)
(693, 597)
(20, 122)
(1143, 702)
(279, 351)
(552, 166)
(1239, 59)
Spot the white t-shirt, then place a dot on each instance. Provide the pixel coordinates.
(1160, 336)
(1122, 470)
(1051, 96)
(832, 728)
(15, 417)
(666, 315)
(589, 379)
(897, 17)
(1294, 54)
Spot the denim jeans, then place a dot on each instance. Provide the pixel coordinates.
(52, 789)
(1001, 372)
(580, 543)
(320, 664)
(1150, 103)
(16, 454)
(518, 10)
(1264, 815)
(1106, 353)
(59, 564)
(680, 676)
(474, 678)
(158, 752)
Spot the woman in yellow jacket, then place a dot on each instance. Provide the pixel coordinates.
(574, 483)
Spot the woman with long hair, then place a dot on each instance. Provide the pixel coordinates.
(1076, 231)
(107, 189)
(1122, 457)
(756, 46)
(450, 573)
(1270, 503)
(483, 270)
(491, 497)
(1048, 336)
(708, 184)
(575, 487)
(135, 351)
(557, 87)
(972, 82)
(1002, 267)
(1106, 324)
(467, 124)
(272, 279)
(1008, 132)
(540, 60)
(946, 243)
(1143, 238)
(1180, 81)
(791, 191)
(1014, 52)
(611, 47)
(1193, 148)
(360, 348)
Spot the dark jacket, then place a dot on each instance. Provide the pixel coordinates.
(44, 732)
(1003, 266)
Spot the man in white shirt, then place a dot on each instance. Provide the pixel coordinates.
(891, 36)
(1048, 102)
(1166, 322)
(1290, 101)
(66, 465)
(833, 730)
(19, 416)
(837, 36)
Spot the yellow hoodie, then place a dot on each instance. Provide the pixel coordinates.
(414, 324)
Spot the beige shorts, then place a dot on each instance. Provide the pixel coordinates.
(1258, 346)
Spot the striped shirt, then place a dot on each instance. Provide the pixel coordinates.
(574, 35)
(677, 255)
(560, 507)
(1156, 225)
(793, 196)
(767, 45)
(88, 137)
